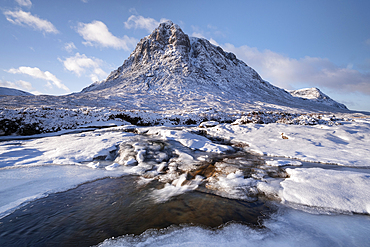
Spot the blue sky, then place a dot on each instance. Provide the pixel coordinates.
(61, 46)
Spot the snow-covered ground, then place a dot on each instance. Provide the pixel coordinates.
(345, 143)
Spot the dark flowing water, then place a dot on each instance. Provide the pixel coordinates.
(107, 208)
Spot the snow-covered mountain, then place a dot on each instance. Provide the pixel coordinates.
(13, 92)
(169, 62)
(316, 95)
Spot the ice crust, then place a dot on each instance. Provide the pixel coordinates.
(287, 228)
(25, 184)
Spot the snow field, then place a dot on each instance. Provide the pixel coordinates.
(346, 144)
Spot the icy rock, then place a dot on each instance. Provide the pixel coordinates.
(93, 165)
(160, 157)
(140, 156)
(283, 163)
(131, 162)
(161, 167)
(112, 166)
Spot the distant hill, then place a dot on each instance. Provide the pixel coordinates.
(13, 92)
(314, 94)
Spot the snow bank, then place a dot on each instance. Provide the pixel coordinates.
(338, 190)
(65, 149)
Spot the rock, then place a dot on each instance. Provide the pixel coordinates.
(208, 124)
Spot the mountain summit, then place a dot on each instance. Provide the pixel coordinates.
(169, 62)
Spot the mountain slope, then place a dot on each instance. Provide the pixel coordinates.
(169, 63)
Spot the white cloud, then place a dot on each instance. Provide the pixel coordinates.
(37, 73)
(27, 19)
(367, 42)
(209, 32)
(213, 42)
(141, 22)
(285, 72)
(24, 3)
(24, 84)
(198, 35)
(85, 1)
(133, 11)
(97, 33)
(81, 64)
(21, 85)
(69, 46)
(201, 36)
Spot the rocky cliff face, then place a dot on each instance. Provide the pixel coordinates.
(169, 62)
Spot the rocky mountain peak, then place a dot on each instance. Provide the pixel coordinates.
(167, 37)
(169, 33)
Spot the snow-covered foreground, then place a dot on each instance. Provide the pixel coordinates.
(175, 156)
